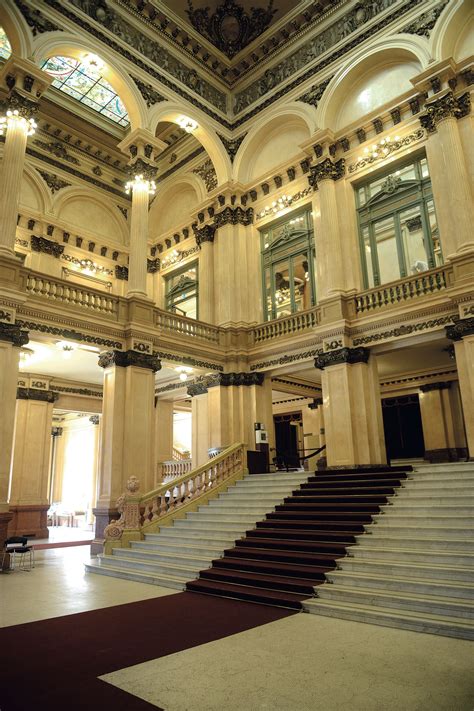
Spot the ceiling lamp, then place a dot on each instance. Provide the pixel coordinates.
(187, 124)
(67, 348)
(26, 354)
(140, 183)
(183, 372)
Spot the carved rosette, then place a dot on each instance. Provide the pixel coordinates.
(348, 356)
(12, 333)
(462, 327)
(447, 106)
(124, 359)
(327, 170)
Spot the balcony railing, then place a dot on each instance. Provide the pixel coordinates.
(172, 323)
(406, 289)
(71, 294)
(288, 325)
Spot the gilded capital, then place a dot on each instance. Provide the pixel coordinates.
(13, 334)
(124, 359)
(348, 356)
(447, 106)
(462, 327)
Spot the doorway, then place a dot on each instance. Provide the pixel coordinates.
(288, 432)
(403, 428)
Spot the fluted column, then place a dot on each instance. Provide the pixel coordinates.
(352, 408)
(449, 173)
(142, 149)
(331, 278)
(141, 189)
(437, 422)
(24, 83)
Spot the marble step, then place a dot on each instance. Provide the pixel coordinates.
(226, 524)
(164, 581)
(195, 548)
(198, 561)
(174, 570)
(217, 515)
(204, 536)
(416, 556)
(215, 540)
(435, 510)
(402, 584)
(387, 538)
(435, 604)
(432, 499)
(406, 569)
(418, 622)
(443, 521)
(434, 486)
(450, 532)
(430, 475)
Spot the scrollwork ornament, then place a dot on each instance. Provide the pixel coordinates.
(447, 106)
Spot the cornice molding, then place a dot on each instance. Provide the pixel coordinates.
(348, 356)
(429, 387)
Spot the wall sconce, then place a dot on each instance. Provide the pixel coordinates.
(381, 149)
(172, 258)
(183, 372)
(11, 117)
(277, 205)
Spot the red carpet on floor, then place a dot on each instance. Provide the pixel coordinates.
(60, 544)
(55, 663)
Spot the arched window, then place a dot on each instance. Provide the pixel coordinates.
(397, 222)
(5, 46)
(84, 82)
(288, 265)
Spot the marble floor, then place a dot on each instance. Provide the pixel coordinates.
(63, 534)
(300, 663)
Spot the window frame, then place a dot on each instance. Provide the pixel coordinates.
(175, 274)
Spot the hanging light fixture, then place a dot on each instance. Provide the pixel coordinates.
(187, 124)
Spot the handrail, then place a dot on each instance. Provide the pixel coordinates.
(294, 323)
(404, 289)
(70, 293)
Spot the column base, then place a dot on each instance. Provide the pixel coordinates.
(5, 518)
(29, 520)
(103, 516)
(437, 456)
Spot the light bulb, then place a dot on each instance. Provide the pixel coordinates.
(183, 376)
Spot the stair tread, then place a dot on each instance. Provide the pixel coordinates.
(445, 583)
(274, 595)
(235, 562)
(409, 596)
(138, 572)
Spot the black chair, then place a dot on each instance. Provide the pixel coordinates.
(18, 546)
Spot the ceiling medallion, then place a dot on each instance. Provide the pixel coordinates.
(230, 28)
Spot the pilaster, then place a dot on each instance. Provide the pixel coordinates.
(352, 408)
(437, 422)
(163, 436)
(462, 333)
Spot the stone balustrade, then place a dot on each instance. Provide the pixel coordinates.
(172, 323)
(423, 284)
(70, 294)
(286, 326)
(174, 468)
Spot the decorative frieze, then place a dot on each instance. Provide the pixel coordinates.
(314, 95)
(207, 174)
(403, 330)
(327, 170)
(447, 106)
(56, 148)
(86, 392)
(12, 333)
(150, 94)
(286, 359)
(66, 333)
(425, 22)
(389, 147)
(429, 387)
(462, 327)
(347, 356)
(47, 246)
(232, 145)
(186, 360)
(124, 359)
(34, 394)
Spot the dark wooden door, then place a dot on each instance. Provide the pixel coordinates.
(402, 427)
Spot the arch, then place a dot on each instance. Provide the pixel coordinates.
(295, 121)
(174, 204)
(60, 43)
(85, 210)
(33, 192)
(450, 29)
(17, 30)
(205, 134)
(409, 53)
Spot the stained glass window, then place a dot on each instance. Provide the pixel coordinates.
(85, 83)
(5, 47)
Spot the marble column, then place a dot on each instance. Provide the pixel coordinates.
(448, 171)
(29, 501)
(163, 437)
(462, 333)
(11, 340)
(127, 431)
(23, 82)
(329, 252)
(95, 420)
(437, 422)
(352, 408)
(199, 425)
(205, 239)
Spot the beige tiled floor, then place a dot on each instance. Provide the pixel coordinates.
(58, 586)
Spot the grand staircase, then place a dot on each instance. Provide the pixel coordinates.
(415, 568)
(294, 548)
(178, 552)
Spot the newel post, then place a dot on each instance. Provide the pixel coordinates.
(120, 532)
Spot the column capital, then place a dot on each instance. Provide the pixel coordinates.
(142, 149)
(317, 402)
(445, 107)
(429, 387)
(340, 356)
(34, 394)
(202, 384)
(12, 333)
(23, 84)
(124, 359)
(327, 169)
(234, 216)
(462, 327)
(205, 233)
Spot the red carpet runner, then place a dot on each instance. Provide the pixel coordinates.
(54, 664)
(288, 553)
